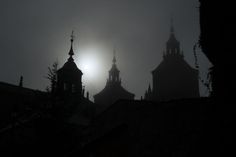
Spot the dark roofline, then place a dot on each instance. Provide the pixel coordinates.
(104, 91)
(4, 84)
(189, 66)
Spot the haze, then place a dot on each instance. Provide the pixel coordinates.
(34, 34)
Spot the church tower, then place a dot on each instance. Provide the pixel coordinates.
(174, 78)
(114, 73)
(69, 76)
(172, 46)
(113, 90)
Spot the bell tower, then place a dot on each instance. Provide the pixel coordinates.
(114, 73)
(69, 76)
(172, 45)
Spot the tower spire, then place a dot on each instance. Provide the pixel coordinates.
(114, 56)
(172, 45)
(71, 52)
(114, 72)
(171, 25)
(21, 81)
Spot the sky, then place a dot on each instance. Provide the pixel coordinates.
(34, 34)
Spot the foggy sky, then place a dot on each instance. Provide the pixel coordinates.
(34, 34)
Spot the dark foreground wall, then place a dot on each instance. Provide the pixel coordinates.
(183, 128)
(218, 34)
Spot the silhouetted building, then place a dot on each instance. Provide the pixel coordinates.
(113, 90)
(69, 76)
(76, 108)
(145, 129)
(174, 78)
(217, 40)
(16, 100)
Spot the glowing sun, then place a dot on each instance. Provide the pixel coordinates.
(90, 64)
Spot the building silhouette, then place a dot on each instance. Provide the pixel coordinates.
(113, 90)
(174, 78)
(190, 127)
(69, 76)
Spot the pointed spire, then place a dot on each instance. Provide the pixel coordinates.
(114, 56)
(171, 25)
(71, 52)
(114, 72)
(21, 81)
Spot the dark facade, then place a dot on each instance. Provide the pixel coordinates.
(174, 78)
(113, 90)
(15, 100)
(69, 76)
(147, 129)
(217, 40)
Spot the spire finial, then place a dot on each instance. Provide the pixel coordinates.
(21, 81)
(171, 24)
(114, 56)
(71, 52)
(72, 36)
